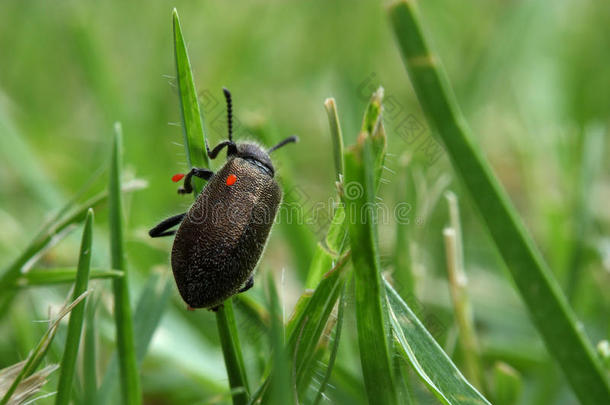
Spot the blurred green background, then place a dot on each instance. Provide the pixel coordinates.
(532, 79)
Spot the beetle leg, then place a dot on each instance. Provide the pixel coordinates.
(216, 308)
(232, 149)
(162, 228)
(201, 173)
(249, 284)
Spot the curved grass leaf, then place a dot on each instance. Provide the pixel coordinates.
(562, 332)
(75, 326)
(428, 359)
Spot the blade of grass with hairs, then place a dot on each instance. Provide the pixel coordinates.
(194, 143)
(363, 165)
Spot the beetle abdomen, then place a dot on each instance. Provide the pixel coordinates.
(224, 233)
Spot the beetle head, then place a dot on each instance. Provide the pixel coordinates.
(255, 155)
(250, 152)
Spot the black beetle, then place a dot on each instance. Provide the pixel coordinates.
(221, 238)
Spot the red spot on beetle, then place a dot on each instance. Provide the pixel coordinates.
(189, 308)
(231, 179)
(177, 177)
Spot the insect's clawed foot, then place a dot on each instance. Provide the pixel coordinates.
(249, 284)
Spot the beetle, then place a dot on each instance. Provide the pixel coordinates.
(221, 237)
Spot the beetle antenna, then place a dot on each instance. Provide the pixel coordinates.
(290, 139)
(229, 112)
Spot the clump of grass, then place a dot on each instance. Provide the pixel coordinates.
(547, 306)
(351, 338)
(351, 237)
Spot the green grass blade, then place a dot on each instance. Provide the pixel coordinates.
(427, 358)
(229, 340)
(548, 307)
(130, 377)
(75, 326)
(336, 136)
(194, 143)
(90, 353)
(61, 275)
(371, 322)
(192, 124)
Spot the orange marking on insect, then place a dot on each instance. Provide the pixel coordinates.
(231, 179)
(177, 177)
